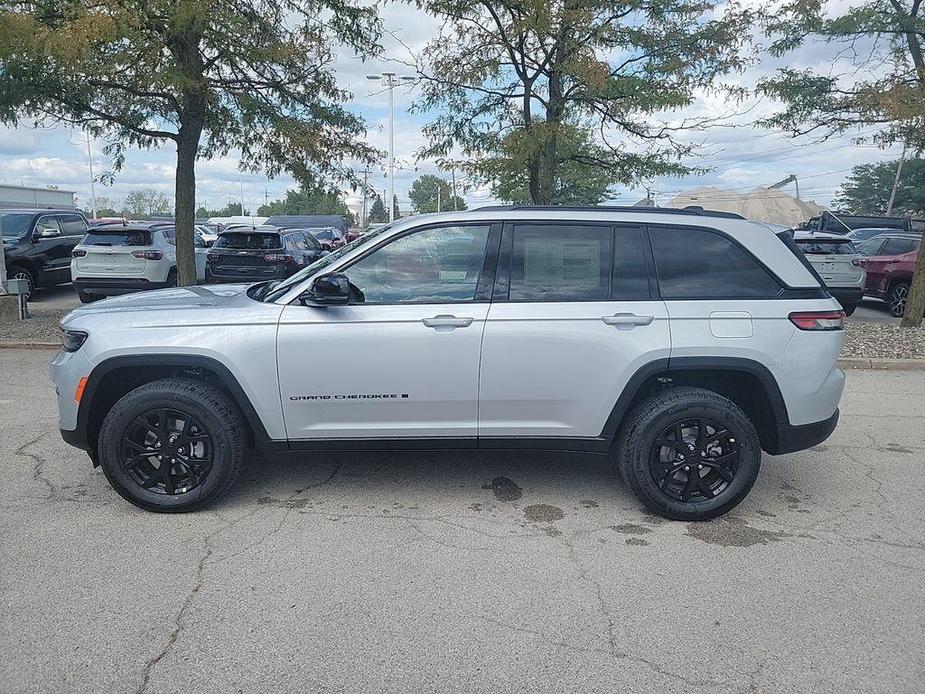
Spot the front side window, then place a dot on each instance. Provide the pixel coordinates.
(434, 266)
(897, 246)
(560, 262)
(871, 247)
(701, 264)
(47, 224)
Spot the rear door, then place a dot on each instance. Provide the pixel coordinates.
(52, 250)
(881, 265)
(109, 252)
(573, 317)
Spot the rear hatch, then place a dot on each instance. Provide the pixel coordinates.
(245, 254)
(112, 252)
(836, 260)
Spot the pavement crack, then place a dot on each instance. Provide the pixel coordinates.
(38, 469)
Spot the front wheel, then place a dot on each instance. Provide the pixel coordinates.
(17, 272)
(689, 453)
(897, 301)
(172, 445)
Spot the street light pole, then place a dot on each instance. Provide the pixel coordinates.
(92, 186)
(390, 80)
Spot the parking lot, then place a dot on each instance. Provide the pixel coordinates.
(469, 572)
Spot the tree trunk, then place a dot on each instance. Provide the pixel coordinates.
(915, 301)
(185, 213)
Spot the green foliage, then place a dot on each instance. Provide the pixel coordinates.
(377, 211)
(867, 189)
(144, 203)
(313, 201)
(573, 90)
(232, 209)
(878, 78)
(424, 196)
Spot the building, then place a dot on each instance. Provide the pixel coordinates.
(38, 198)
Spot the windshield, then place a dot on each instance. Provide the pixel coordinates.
(13, 224)
(324, 234)
(260, 242)
(278, 290)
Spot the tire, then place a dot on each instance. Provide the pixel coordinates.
(896, 301)
(212, 429)
(21, 272)
(172, 277)
(849, 309)
(715, 488)
(86, 298)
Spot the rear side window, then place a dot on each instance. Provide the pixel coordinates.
(257, 242)
(561, 262)
(117, 237)
(701, 264)
(811, 247)
(72, 225)
(898, 246)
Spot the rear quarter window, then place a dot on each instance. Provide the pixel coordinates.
(700, 264)
(117, 237)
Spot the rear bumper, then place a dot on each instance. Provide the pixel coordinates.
(107, 285)
(244, 274)
(792, 438)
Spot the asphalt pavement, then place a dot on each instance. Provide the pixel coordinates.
(466, 572)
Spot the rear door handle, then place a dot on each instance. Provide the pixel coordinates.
(626, 321)
(445, 323)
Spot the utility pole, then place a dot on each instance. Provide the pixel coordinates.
(242, 195)
(92, 185)
(438, 197)
(899, 171)
(390, 80)
(455, 199)
(365, 197)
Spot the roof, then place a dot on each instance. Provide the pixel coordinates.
(689, 210)
(308, 221)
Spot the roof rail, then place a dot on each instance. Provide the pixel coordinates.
(690, 210)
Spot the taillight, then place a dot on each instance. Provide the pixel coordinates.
(818, 320)
(213, 256)
(78, 253)
(148, 255)
(277, 257)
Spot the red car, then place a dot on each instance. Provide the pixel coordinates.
(889, 260)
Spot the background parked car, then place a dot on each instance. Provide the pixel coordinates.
(38, 244)
(839, 223)
(330, 238)
(837, 261)
(889, 260)
(252, 256)
(858, 236)
(116, 259)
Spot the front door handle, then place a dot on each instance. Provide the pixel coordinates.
(626, 321)
(444, 323)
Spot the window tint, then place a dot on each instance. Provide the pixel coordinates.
(12, 224)
(630, 276)
(72, 225)
(560, 262)
(439, 265)
(117, 237)
(699, 264)
(896, 246)
(258, 241)
(47, 224)
(871, 247)
(833, 247)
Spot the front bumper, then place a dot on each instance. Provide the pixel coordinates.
(111, 286)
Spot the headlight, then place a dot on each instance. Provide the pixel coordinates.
(72, 340)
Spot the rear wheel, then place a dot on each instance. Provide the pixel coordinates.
(899, 292)
(689, 453)
(172, 445)
(172, 277)
(86, 298)
(18, 272)
(849, 308)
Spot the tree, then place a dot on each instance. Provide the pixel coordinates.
(308, 201)
(205, 77)
(867, 189)
(424, 196)
(880, 81)
(144, 203)
(516, 80)
(377, 212)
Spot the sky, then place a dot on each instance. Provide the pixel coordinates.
(740, 155)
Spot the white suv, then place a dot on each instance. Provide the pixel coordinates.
(118, 259)
(681, 343)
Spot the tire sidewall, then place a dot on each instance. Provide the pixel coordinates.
(137, 403)
(746, 473)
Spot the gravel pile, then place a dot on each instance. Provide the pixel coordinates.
(42, 326)
(883, 341)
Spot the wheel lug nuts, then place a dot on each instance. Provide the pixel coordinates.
(157, 445)
(687, 468)
(700, 467)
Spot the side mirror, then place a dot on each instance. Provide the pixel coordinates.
(328, 290)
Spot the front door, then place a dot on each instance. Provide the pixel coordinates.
(573, 318)
(401, 360)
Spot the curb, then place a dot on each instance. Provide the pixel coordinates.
(30, 345)
(882, 364)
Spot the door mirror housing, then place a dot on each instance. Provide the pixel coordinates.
(327, 290)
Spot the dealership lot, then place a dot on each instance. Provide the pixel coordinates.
(469, 572)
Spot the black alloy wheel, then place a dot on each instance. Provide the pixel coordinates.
(897, 301)
(694, 460)
(167, 451)
(21, 273)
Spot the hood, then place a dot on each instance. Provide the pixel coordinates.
(170, 301)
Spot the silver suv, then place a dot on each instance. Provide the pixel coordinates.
(680, 343)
